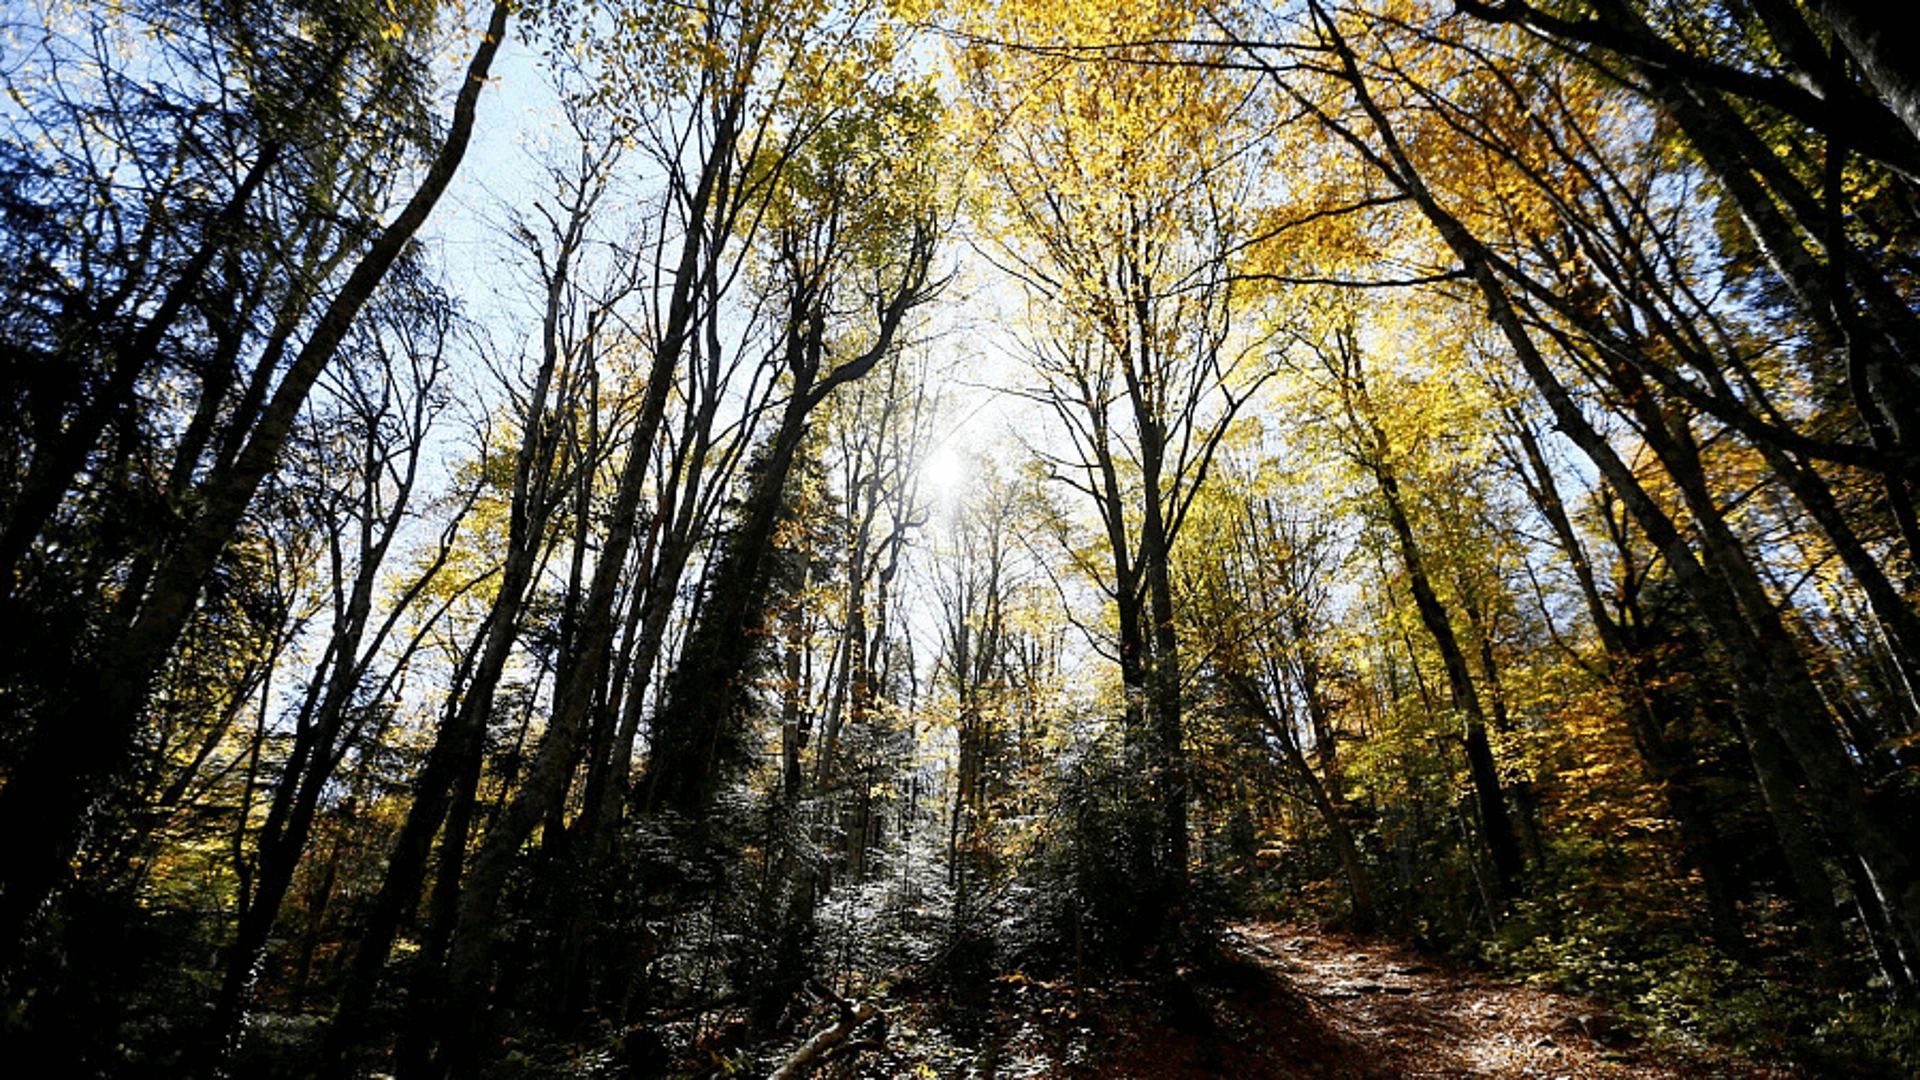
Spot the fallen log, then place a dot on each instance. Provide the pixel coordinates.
(811, 1051)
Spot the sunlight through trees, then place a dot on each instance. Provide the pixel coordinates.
(908, 513)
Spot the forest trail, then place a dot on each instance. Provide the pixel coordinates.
(1290, 1003)
(1391, 1012)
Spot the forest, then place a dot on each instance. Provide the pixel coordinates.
(672, 538)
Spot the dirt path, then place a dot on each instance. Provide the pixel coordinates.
(1294, 1004)
(1412, 1017)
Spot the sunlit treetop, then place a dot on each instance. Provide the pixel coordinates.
(650, 54)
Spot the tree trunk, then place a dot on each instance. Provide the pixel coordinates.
(1331, 812)
(1496, 823)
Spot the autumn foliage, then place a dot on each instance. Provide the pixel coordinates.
(871, 513)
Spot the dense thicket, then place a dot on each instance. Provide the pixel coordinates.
(924, 498)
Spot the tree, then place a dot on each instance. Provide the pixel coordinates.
(839, 247)
(1656, 688)
(380, 404)
(1263, 602)
(1751, 129)
(1376, 453)
(239, 292)
(1782, 710)
(551, 459)
(1120, 191)
(744, 99)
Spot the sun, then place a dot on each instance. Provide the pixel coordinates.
(944, 473)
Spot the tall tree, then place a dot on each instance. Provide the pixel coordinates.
(383, 403)
(317, 83)
(1264, 616)
(1785, 718)
(1375, 452)
(551, 459)
(1121, 202)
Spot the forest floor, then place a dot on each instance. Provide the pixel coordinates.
(1288, 1003)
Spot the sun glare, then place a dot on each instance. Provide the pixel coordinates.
(944, 473)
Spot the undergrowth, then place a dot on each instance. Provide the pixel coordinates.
(1668, 981)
